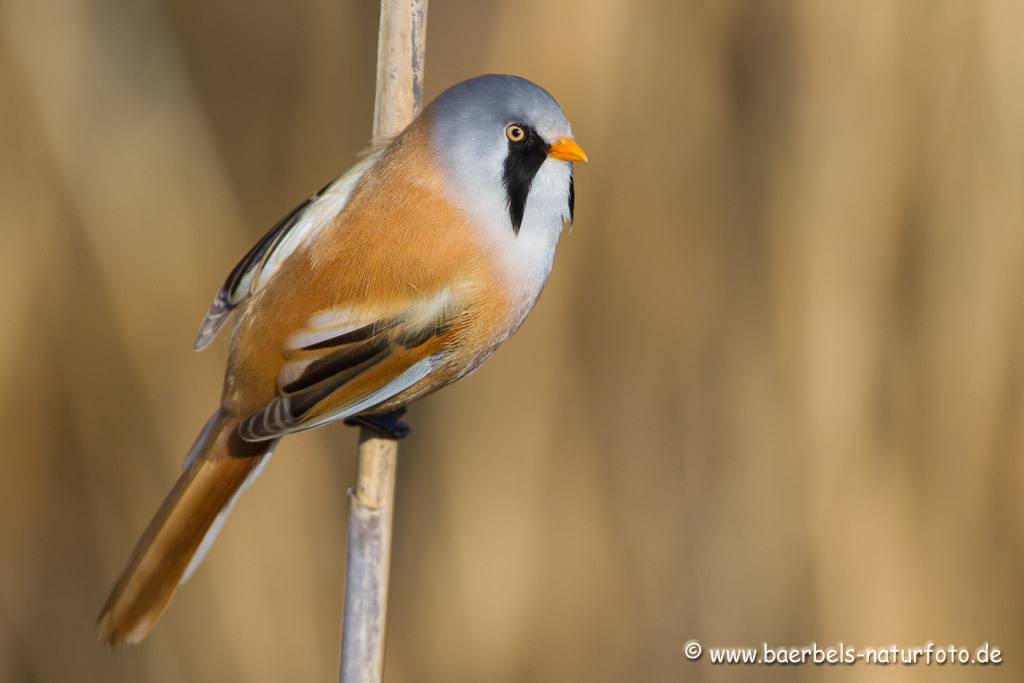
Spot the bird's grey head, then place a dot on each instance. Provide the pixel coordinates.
(493, 135)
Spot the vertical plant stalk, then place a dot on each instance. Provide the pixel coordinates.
(403, 35)
(400, 52)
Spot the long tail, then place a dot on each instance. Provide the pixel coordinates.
(220, 467)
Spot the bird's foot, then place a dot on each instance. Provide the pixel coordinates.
(385, 424)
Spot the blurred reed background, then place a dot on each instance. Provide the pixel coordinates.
(773, 390)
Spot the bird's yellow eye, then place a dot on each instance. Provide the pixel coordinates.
(515, 132)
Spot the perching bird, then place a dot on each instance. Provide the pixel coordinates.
(399, 277)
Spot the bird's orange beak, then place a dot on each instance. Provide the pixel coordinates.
(566, 149)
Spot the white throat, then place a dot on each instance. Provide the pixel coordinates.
(525, 257)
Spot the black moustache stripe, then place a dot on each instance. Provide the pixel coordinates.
(572, 198)
(521, 165)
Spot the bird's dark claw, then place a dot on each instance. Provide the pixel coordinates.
(385, 424)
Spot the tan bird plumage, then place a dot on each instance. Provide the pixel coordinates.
(172, 538)
(395, 295)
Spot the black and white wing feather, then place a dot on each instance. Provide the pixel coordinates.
(266, 256)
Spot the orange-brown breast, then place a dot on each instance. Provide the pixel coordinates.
(397, 239)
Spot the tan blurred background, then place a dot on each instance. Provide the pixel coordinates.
(774, 390)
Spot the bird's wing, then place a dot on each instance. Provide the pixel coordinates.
(267, 255)
(347, 361)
